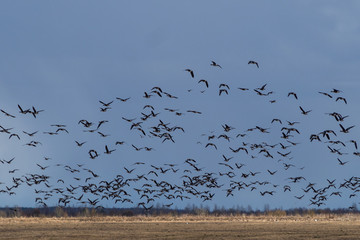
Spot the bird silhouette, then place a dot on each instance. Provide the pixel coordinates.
(293, 94)
(204, 81)
(214, 64)
(191, 72)
(253, 62)
(342, 99)
(345, 130)
(303, 111)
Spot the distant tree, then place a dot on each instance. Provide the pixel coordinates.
(249, 209)
(353, 207)
(128, 213)
(266, 207)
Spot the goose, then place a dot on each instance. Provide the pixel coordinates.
(253, 62)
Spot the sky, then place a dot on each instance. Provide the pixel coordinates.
(64, 57)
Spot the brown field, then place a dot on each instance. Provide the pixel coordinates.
(184, 227)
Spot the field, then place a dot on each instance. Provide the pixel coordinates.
(184, 227)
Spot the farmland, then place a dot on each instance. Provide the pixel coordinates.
(183, 227)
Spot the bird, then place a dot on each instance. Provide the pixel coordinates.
(62, 129)
(299, 197)
(23, 111)
(243, 89)
(107, 151)
(224, 85)
(58, 125)
(79, 144)
(211, 144)
(35, 112)
(267, 192)
(271, 173)
(227, 165)
(149, 106)
(355, 143)
(214, 64)
(227, 128)
(136, 148)
(277, 120)
(101, 122)
(106, 104)
(287, 166)
(9, 161)
(129, 171)
(226, 159)
(335, 90)
(30, 134)
(341, 163)
(262, 88)
(204, 81)
(296, 179)
(253, 62)
(293, 94)
(103, 135)
(7, 114)
(93, 154)
(193, 111)
(341, 98)
(14, 135)
(223, 91)
(191, 72)
(42, 168)
(303, 111)
(146, 95)
(123, 99)
(292, 123)
(325, 94)
(345, 130)
(168, 205)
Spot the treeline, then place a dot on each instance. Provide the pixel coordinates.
(161, 211)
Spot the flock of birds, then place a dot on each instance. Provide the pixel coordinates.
(144, 183)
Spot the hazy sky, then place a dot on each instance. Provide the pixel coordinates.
(63, 57)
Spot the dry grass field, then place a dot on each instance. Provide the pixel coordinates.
(184, 227)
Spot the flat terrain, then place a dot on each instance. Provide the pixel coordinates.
(185, 227)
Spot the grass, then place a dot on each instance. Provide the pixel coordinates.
(183, 227)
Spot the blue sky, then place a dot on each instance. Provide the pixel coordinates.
(63, 57)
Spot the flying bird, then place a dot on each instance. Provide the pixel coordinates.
(243, 89)
(341, 163)
(214, 64)
(211, 144)
(335, 90)
(7, 114)
(253, 62)
(262, 88)
(30, 134)
(355, 143)
(345, 130)
(106, 104)
(294, 94)
(122, 99)
(303, 111)
(342, 99)
(191, 72)
(223, 91)
(325, 94)
(107, 151)
(204, 81)
(79, 144)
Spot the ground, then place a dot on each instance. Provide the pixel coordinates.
(184, 227)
